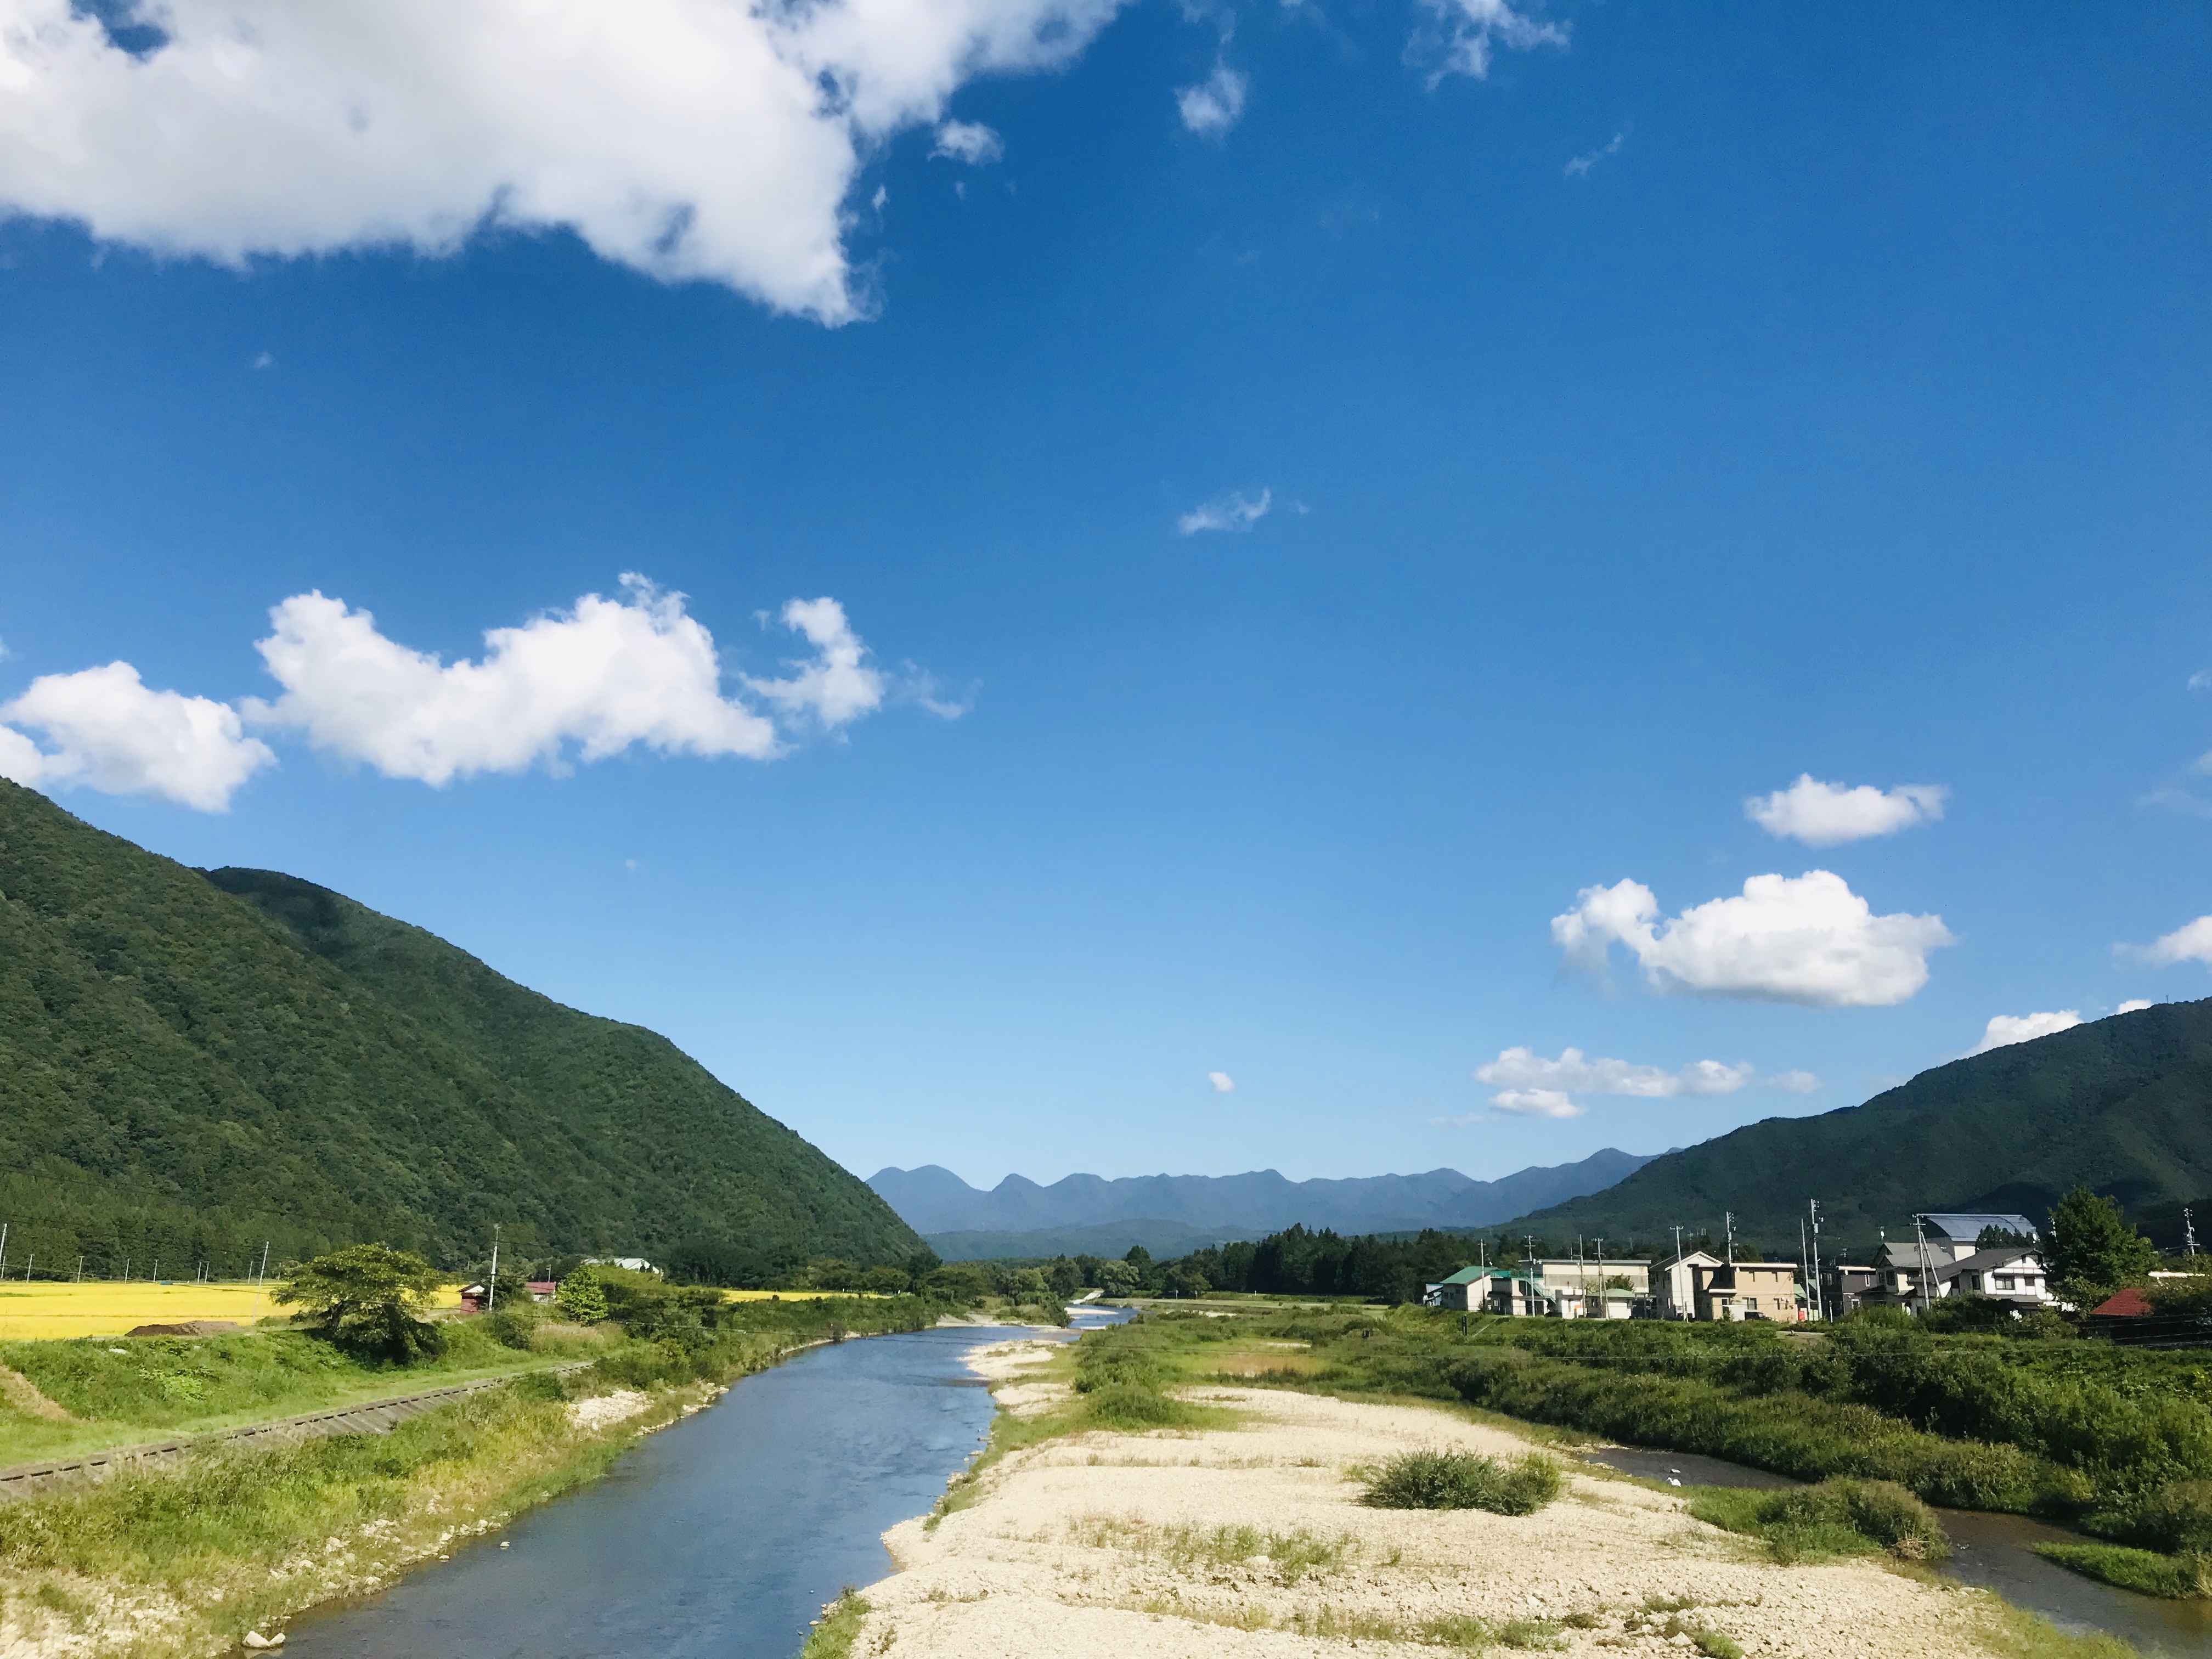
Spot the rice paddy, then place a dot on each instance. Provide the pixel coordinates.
(37, 1312)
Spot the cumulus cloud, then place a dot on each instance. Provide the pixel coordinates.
(970, 142)
(106, 731)
(1215, 104)
(1222, 1083)
(592, 681)
(1234, 511)
(709, 140)
(1473, 29)
(1826, 814)
(837, 687)
(2135, 1004)
(1806, 939)
(2191, 942)
(1524, 1069)
(2005, 1030)
(1580, 166)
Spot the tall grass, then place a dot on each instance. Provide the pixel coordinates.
(1836, 1517)
(1463, 1480)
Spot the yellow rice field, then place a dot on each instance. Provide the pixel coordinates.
(40, 1312)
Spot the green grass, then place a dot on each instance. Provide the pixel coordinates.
(1836, 1517)
(835, 1633)
(160, 1387)
(2172, 1577)
(1464, 1480)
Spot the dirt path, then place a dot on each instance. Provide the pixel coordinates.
(1248, 1541)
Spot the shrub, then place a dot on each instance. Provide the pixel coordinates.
(512, 1324)
(1881, 1511)
(1464, 1480)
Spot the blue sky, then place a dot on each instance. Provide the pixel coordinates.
(1698, 400)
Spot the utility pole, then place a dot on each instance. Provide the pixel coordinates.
(1820, 1294)
(1927, 1262)
(260, 1276)
(1729, 1223)
(491, 1298)
(28, 1266)
(2189, 1233)
(80, 1270)
(4, 1248)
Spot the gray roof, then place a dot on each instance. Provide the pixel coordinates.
(1970, 1227)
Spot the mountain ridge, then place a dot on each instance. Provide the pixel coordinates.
(2116, 1105)
(932, 1199)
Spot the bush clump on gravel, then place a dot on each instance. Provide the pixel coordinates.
(1464, 1480)
(1836, 1517)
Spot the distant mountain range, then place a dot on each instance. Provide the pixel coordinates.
(2119, 1104)
(934, 1202)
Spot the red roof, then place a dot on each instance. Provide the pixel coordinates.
(2131, 1303)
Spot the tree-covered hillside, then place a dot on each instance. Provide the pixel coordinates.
(191, 1065)
(2123, 1105)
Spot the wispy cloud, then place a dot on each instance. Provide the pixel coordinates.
(1222, 1083)
(1471, 30)
(970, 142)
(1580, 166)
(1233, 511)
(1215, 104)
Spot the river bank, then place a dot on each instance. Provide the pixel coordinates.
(1247, 1540)
(184, 1559)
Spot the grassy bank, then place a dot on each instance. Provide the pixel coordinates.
(161, 1562)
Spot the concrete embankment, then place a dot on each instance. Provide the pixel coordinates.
(1250, 1540)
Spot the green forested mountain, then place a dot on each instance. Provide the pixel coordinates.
(192, 1063)
(2123, 1105)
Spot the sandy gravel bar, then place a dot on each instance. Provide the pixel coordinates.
(1106, 1546)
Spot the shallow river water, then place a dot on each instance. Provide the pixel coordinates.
(1992, 1551)
(719, 1538)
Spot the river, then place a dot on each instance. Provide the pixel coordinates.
(721, 1537)
(1993, 1551)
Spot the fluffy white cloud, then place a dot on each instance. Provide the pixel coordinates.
(970, 142)
(1536, 1102)
(1234, 511)
(106, 731)
(2005, 1030)
(709, 140)
(1215, 104)
(608, 674)
(2135, 1004)
(1806, 939)
(1473, 28)
(837, 687)
(1524, 1069)
(1222, 1083)
(1825, 814)
(2191, 942)
(1797, 1083)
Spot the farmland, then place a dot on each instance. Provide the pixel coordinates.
(37, 1313)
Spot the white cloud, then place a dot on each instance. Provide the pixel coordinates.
(2135, 1006)
(1807, 940)
(708, 140)
(1825, 814)
(1215, 104)
(600, 677)
(1797, 1083)
(837, 687)
(2191, 942)
(1524, 1069)
(970, 142)
(106, 731)
(2201, 680)
(1222, 1083)
(1580, 166)
(1535, 1102)
(1234, 511)
(1473, 27)
(2004, 1030)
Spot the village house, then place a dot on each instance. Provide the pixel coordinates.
(1678, 1284)
(1491, 1290)
(1747, 1290)
(1955, 1264)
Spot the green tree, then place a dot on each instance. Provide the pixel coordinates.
(580, 1299)
(889, 1281)
(1185, 1281)
(365, 1298)
(2093, 1251)
(1064, 1276)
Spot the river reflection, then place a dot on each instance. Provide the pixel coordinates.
(720, 1538)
